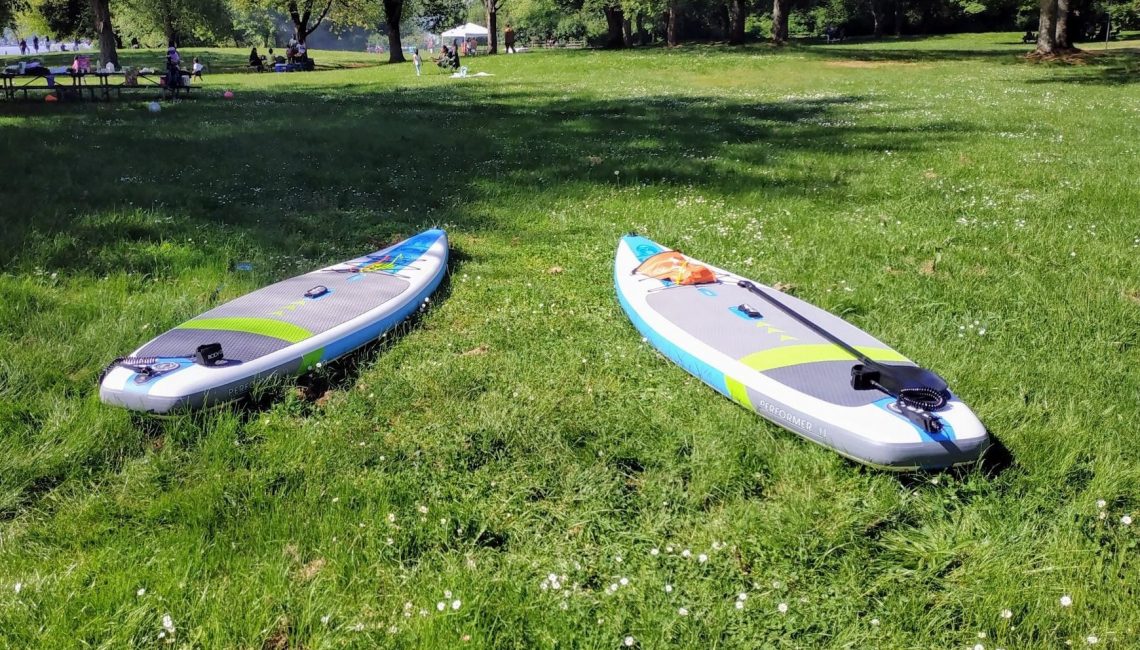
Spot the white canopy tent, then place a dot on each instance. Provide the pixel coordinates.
(470, 30)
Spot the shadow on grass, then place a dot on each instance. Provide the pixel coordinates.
(1112, 68)
(305, 177)
(292, 180)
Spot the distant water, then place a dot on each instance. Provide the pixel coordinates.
(14, 50)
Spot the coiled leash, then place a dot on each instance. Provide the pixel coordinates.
(209, 354)
(917, 391)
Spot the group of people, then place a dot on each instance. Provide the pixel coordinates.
(295, 53)
(448, 56)
(174, 71)
(35, 46)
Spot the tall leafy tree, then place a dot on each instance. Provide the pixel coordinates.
(7, 12)
(615, 23)
(1047, 27)
(306, 16)
(177, 22)
(108, 50)
(780, 9)
(393, 14)
(737, 15)
(492, 8)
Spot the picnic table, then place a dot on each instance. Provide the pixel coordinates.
(96, 83)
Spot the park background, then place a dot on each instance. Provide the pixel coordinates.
(517, 468)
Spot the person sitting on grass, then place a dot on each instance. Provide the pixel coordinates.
(255, 61)
(444, 58)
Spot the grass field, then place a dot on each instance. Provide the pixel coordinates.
(517, 469)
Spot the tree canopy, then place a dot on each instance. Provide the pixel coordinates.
(610, 23)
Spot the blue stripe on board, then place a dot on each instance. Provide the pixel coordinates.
(946, 435)
(692, 364)
(411, 250)
(643, 247)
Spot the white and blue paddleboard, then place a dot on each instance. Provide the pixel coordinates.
(769, 362)
(286, 328)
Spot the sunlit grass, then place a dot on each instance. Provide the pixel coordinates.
(517, 468)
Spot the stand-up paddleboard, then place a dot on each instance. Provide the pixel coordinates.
(285, 328)
(797, 365)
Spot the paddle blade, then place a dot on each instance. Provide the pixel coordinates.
(673, 266)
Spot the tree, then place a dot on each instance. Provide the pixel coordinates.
(301, 13)
(780, 21)
(393, 12)
(178, 22)
(615, 22)
(673, 23)
(737, 15)
(493, 7)
(877, 17)
(1061, 31)
(1047, 27)
(305, 15)
(101, 12)
(7, 13)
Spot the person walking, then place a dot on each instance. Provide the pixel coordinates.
(23, 47)
(417, 60)
(509, 39)
(36, 43)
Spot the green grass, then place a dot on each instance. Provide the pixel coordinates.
(972, 209)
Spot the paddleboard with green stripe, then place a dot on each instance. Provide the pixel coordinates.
(286, 328)
(766, 360)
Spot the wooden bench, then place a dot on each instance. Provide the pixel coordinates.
(14, 84)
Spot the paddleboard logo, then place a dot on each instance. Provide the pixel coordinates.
(792, 419)
(385, 263)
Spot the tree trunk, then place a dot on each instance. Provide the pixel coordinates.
(737, 14)
(1061, 31)
(877, 17)
(614, 19)
(627, 31)
(673, 24)
(168, 30)
(779, 21)
(642, 34)
(721, 12)
(1046, 28)
(492, 7)
(900, 17)
(393, 11)
(107, 51)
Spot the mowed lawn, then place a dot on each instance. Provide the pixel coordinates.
(517, 468)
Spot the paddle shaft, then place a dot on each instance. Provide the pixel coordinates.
(807, 323)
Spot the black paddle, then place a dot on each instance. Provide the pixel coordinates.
(917, 390)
